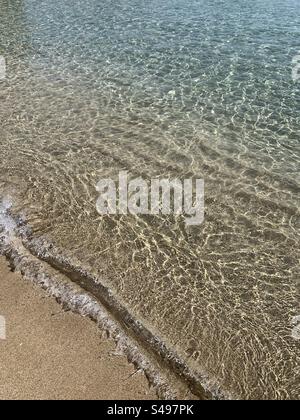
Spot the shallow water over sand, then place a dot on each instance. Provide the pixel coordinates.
(180, 89)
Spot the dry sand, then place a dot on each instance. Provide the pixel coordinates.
(52, 354)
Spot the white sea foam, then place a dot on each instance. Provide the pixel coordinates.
(7, 223)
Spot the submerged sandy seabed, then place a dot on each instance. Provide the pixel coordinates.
(162, 92)
(52, 354)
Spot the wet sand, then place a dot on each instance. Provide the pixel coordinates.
(52, 354)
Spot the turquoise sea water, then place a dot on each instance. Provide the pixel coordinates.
(166, 88)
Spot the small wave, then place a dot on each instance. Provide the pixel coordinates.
(58, 283)
(73, 297)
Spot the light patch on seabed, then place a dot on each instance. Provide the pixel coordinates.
(2, 328)
(296, 327)
(2, 68)
(296, 68)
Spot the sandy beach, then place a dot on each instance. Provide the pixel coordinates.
(52, 354)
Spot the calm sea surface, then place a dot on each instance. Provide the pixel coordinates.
(168, 88)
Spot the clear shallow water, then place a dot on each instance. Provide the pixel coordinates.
(198, 88)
